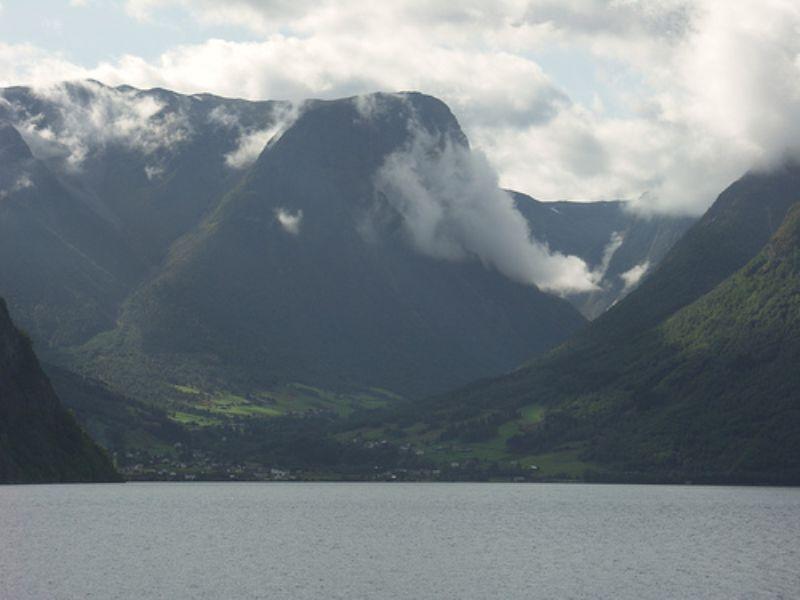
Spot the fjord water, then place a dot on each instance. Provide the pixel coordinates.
(387, 541)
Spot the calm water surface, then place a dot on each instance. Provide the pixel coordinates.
(414, 541)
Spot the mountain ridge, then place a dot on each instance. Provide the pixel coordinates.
(399, 295)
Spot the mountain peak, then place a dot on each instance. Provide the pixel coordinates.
(366, 128)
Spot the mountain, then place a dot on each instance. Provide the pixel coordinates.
(614, 240)
(99, 182)
(690, 377)
(230, 261)
(39, 440)
(724, 397)
(64, 266)
(302, 273)
(153, 238)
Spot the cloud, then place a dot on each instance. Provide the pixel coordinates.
(258, 15)
(614, 244)
(22, 182)
(249, 147)
(633, 276)
(89, 116)
(252, 141)
(484, 87)
(22, 64)
(718, 81)
(289, 221)
(689, 93)
(663, 19)
(266, 17)
(452, 209)
(153, 172)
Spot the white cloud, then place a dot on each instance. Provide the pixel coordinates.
(261, 16)
(614, 244)
(22, 182)
(289, 221)
(250, 146)
(22, 64)
(269, 16)
(452, 209)
(252, 142)
(153, 172)
(91, 116)
(618, 19)
(633, 276)
(719, 92)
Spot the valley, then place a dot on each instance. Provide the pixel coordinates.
(287, 312)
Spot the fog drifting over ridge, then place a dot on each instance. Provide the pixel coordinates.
(452, 209)
(252, 141)
(89, 116)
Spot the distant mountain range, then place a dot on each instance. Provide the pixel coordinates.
(154, 240)
(39, 440)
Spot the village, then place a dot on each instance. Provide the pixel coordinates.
(197, 465)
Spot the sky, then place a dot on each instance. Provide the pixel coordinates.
(660, 102)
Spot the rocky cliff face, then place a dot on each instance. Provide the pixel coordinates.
(39, 440)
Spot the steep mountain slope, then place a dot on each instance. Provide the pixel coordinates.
(122, 425)
(711, 393)
(673, 383)
(64, 266)
(39, 440)
(96, 184)
(302, 272)
(616, 242)
(735, 390)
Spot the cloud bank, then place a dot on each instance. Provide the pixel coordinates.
(91, 116)
(674, 100)
(452, 209)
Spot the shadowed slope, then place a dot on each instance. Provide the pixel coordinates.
(39, 440)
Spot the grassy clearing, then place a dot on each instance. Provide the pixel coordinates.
(532, 413)
(187, 389)
(195, 407)
(193, 420)
(248, 410)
